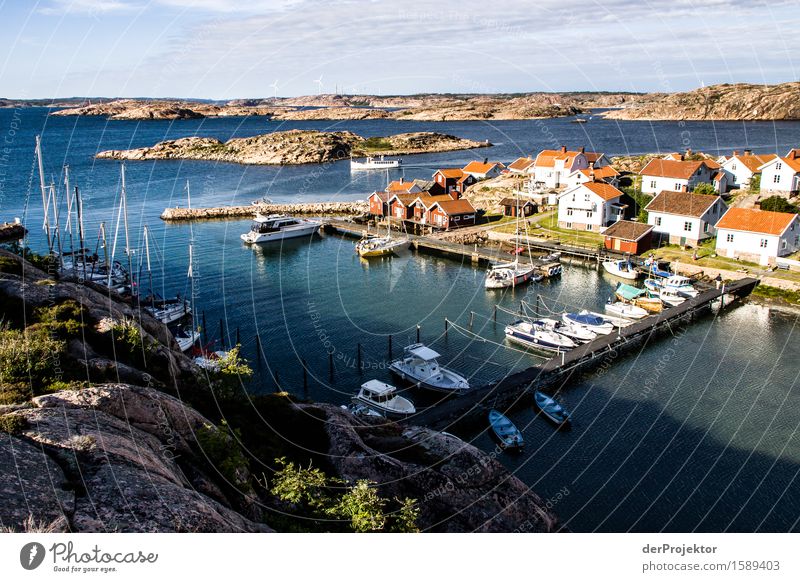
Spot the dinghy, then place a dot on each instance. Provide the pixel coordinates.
(551, 409)
(505, 431)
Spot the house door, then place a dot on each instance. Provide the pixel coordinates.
(617, 244)
(683, 241)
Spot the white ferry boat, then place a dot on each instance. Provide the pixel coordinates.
(371, 163)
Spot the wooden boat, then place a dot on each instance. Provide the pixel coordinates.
(505, 431)
(649, 304)
(551, 409)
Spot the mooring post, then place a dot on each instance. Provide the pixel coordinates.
(495, 313)
(238, 337)
(563, 355)
(445, 327)
(417, 333)
(358, 357)
(538, 297)
(471, 317)
(205, 334)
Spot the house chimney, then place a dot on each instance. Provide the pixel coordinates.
(735, 152)
(402, 179)
(688, 152)
(748, 152)
(591, 172)
(563, 149)
(794, 154)
(583, 149)
(485, 160)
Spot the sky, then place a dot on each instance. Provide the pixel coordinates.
(219, 49)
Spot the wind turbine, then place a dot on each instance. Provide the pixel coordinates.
(319, 85)
(275, 88)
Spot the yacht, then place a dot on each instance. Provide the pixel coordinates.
(381, 397)
(682, 285)
(420, 366)
(167, 310)
(573, 331)
(379, 246)
(535, 334)
(596, 323)
(278, 227)
(186, 338)
(375, 164)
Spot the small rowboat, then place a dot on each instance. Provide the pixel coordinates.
(551, 409)
(506, 432)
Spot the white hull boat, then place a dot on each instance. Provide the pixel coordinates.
(371, 163)
(186, 338)
(593, 322)
(623, 268)
(278, 227)
(379, 246)
(535, 334)
(169, 311)
(420, 366)
(381, 397)
(681, 285)
(576, 333)
(626, 310)
(210, 361)
(510, 275)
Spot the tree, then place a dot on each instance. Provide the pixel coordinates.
(300, 486)
(704, 188)
(755, 183)
(362, 506)
(778, 204)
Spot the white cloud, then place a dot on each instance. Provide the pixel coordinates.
(88, 7)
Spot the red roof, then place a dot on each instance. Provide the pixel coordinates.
(600, 173)
(681, 203)
(521, 164)
(672, 168)
(752, 161)
(384, 196)
(475, 167)
(547, 158)
(605, 191)
(460, 206)
(400, 186)
(761, 221)
(451, 172)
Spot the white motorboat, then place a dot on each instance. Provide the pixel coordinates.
(591, 321)
(186, 338)
(681, 285)
(420, 366)
(211, 360)
(381, 397)
(573, 331)
(278, 227)
(626, 310)
(535, 334)
(622, 268)
(371, 163)
(167, 311)
(510, 275)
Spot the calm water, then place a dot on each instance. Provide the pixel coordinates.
(696, 432)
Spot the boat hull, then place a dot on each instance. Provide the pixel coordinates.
(532, 340)
(305, 230)
(423, 383)
(613, 268)
(386, 412)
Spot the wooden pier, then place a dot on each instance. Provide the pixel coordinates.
(517, 389)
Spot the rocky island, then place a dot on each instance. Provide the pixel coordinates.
(144, 109)
(294, 147)
(107, 427)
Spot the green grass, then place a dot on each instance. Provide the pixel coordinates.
(769, 292)
(372, 144)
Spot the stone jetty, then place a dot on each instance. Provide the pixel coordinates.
(308, 209)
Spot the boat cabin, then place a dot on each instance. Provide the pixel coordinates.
(377, 391)
(272, 223)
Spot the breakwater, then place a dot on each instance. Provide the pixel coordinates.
(309, 209)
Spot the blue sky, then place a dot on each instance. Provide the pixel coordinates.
(222, 49)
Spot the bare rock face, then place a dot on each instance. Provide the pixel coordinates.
(146, 109)
(740, 101)
(293, 147)
(111, 458)
(331, 113)
(458, 487)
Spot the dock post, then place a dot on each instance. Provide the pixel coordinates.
(495, 313)
(305, 374)
(417, 333)
(471, 317)
(222, 333)
(537, 304)
(358, 357)
(445, 327)
(330, 367)
(390, 346)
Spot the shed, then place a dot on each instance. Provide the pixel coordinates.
(626, 236)
(527, 207)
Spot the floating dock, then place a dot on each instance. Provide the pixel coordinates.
(517, 389)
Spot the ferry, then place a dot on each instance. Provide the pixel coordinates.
(371, 163)
(278, 227)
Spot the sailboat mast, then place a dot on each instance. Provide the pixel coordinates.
(149, 272)
(44, 193)
(57, 234)
(128, 251)
(81, 241)
(69, 216)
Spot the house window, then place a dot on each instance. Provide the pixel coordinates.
(783, 244)
(588, 197)
(706, 227)
(776, 179)
(588, 227)
(678, 187)
(573, 197)
(569, 211)
(653, 184)
(687, 226)
(569, 225)
(763, 243)
(589, 214)
(733, 167)
(778, 166)
(729, 238)
(658, 221)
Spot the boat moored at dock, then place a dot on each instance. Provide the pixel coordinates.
(551, 409)
(420, 366)
(591, 321)
(623, 268)
(537, 335)
(626, 310)
(383, 398)
(278, 227)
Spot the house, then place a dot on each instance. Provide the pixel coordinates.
(598, 159)
(740, 168)
(684, 217)
(418, 208)
(721, 182)
(483, 170)
(378, 203)
(677, 175)
(400, 205)
(398, 186)
(781, 175)
(552, 167)
(758, 235)
(625, 236)
(593, 174)
(448, 214)
(521, 166)
(591, 206)
(526, 207)
(451, 181)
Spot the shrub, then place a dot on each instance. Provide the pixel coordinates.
(362, 506)
(704, 188)
(30, 356)
(405, 521)
(64, 319)
(778, 204)
(12, 423)
(9, 265)
(299, 486)
(220, 445)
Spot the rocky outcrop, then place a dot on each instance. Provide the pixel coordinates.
(719, 103)
(309, 209)
(331, 113)
(144, 109)
(294, 147)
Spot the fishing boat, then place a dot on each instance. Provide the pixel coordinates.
(668, 296)
(596, 323)
(420, 366)
(576, 333)
(505, 431)
(622, 268)
(371, 163)
(382, 398)
(278, 227)
(626, 310)
(551, 409)
(535, 334)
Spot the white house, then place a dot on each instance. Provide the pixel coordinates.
(521, 166)
(590, 206)
(781, 175)
(483, 170)
(740, 168)
(593, 174)
(552, 167)
(758, 235)
(676, 175)
(683, 217)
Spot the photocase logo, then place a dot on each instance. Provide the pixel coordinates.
(31, 555)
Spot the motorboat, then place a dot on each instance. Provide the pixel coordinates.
(535, 334)
(575, 332)
(379, 246)
(551, 409)
(622, 268)
(210, 361)
(167, 310)
(510, 275)
(505, 431)
(420, 366)
(626, 310)
(668, 296)
(649, 304)
(682, 285)
(278, 227)
(363, 411)
(596, 323)
(382, 398)
(186, 338)
(371, 163)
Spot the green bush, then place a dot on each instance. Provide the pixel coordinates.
(376, 143)
(220, 444)
(298, 486)
(778, 204)
(704, 188)
(12, 423)
(9, 265)
(64, 319)
(362, 507)
(29, 357)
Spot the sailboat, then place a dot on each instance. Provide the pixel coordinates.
(380, 246)
(164, 310)
(513, 273)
